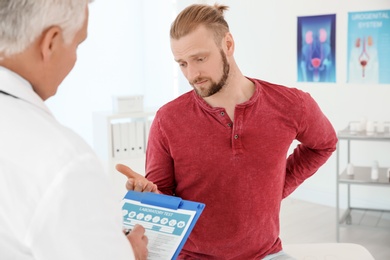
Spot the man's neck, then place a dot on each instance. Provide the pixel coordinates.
(237, 90)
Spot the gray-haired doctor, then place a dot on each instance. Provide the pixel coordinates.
(49, 207)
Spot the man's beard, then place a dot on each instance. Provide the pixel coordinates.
(215, 86)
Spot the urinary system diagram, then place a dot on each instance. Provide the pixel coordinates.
(316, 58)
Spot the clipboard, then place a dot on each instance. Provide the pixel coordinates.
(164, 218)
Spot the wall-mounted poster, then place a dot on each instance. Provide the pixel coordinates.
(317, 48)
(369, 47)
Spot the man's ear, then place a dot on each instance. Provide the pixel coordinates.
(51, 40)
(229, 44)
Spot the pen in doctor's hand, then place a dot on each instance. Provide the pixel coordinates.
(138, 241)
(127, 231)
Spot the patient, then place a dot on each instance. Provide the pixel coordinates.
(225, 143)
(49, 207)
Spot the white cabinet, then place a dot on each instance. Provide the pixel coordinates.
(361, 174)
(121, 138)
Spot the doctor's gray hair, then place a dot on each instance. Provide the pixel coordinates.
(23, 21)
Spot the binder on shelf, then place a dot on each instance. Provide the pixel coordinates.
(132, 138)
(125, 142)
(116, 140)
(168, 220)
(140, 137)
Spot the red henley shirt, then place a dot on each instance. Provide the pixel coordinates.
(238, 169)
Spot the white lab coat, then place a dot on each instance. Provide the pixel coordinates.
(56, 202)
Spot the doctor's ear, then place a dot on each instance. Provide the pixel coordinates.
(50, 42)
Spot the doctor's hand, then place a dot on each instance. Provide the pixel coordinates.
(138, 242)
(135, 181)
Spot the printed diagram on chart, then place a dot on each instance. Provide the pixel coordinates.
(155, 220)
(363, 60)
(316, 59)
(316, 41)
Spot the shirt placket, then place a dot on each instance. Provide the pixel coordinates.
(235, 129)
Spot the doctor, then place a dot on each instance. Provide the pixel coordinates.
(49, 208)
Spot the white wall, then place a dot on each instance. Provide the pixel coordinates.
(126, 54)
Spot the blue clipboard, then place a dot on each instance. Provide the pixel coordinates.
(171, 203)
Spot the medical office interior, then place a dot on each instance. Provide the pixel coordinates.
(127, 54)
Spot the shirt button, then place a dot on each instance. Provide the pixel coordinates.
(235, 136)
(222, 113)
(229, 124)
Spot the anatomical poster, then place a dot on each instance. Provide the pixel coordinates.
(369, 47)
(316, 48)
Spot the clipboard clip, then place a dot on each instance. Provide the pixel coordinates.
(161, 200)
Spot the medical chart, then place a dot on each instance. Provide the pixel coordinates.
(164, 227)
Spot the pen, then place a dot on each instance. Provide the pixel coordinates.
(127, 231)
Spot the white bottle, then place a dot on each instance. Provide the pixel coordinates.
(350, 169)
(374, 171)
(363, 124)
(380, 127)
(370, 127)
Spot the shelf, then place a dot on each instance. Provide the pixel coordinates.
(363, 217)
(362, 175)
(122, 138)
(364, 135)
